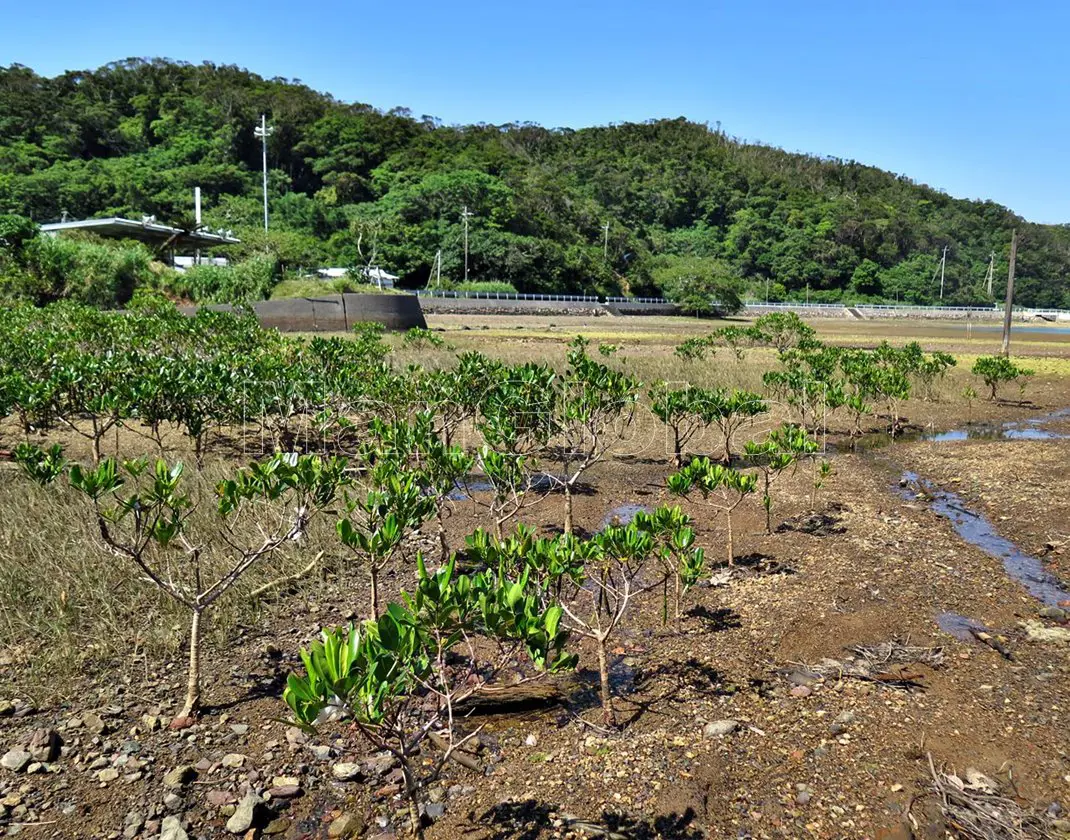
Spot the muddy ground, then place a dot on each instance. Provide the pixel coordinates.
(820, 747)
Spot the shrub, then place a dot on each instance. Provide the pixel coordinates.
(490, 286)
(250, 280)
(995, 370)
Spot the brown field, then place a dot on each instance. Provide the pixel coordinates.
(821, 749)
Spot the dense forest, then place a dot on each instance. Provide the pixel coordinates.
(351, 185)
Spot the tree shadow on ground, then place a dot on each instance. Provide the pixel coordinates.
(529, 819)
(762, 564)
(721, 618)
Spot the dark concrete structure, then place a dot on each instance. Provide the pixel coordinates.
(336, 313)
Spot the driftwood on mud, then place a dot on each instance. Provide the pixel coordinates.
(501, 699)
(976, 809)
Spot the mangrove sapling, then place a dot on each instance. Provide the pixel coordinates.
(807, 381)
(860, 385)
(92, 394)
(822, 472)
(771, 460)
(517, 415)
(995, 370)
(419, 448)
(931, 369)
(596, 405)
(729, 410)
(785, 331)
(682, 411)
(715, 481)
(41, 465)
(402, 677)
(613, 564)
(969, 394)
(674, 546)
(376, 523)
(142, 514)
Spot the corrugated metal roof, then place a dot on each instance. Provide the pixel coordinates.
(151, 231)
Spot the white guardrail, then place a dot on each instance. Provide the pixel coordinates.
(903, 308)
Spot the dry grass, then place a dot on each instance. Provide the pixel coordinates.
(69, 604)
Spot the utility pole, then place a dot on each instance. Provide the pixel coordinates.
(466, 214)
(943, 262)
(1010, 296)
(605, 249)
(263, 132)
(991, 271)
(197, 221)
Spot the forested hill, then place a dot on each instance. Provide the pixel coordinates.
(353, 185)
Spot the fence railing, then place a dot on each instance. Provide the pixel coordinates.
(449, 293)
(906, 308)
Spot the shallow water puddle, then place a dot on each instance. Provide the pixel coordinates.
(622, 515)
(977, 530)
(959, 626)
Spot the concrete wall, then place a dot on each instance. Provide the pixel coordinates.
(334, 313)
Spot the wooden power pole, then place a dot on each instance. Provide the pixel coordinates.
(1010, 296)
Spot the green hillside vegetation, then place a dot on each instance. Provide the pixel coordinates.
(689, 209)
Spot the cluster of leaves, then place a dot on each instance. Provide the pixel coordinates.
(691, 211)
(997, 370)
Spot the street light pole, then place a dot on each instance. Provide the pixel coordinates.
(263, 132)
(466, 214)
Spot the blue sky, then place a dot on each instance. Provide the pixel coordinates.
(969, 97)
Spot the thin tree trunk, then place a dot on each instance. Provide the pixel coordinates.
(193, 684)
(444, 546)
(767, 503)
(411, 790)
(677, 577)
(678, 450)
(568, 508)
(731, 551)
(608, 716)
(374, 574)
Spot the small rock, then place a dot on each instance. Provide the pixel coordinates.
(347, 825)
(94, 723)
(242, 819)
(108, 774)
(346, 771)
(279, 825)
(219, 798)
(802, 691)
(1038, 632)
(239, 728)
(284, 791)
(1055, 613)
(7, 709)
(45, 745)
(15, 760)
(378, 765)
(720, 728)
(171, 829)
(172, 801)
(803, 797)
(295, 737)
(321, 752)
(435, 810)
(531, 741)
(150, 723)
(179, 777)
(233, 760)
